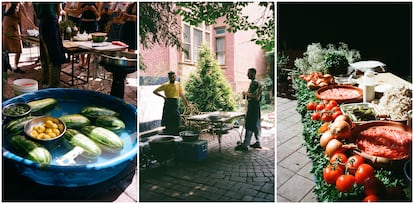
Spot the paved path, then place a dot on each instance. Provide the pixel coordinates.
(224, 176)
(294, 181)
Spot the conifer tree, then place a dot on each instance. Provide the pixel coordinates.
(207, 87)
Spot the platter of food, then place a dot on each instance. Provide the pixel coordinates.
(340, 93)
(391, 140)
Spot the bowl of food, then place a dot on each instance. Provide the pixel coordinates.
(16, 110)
(98, 37)
(45, 128)
(189, 136)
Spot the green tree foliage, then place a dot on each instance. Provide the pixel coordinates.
(208, 12)
(207, 87)
(158, 24)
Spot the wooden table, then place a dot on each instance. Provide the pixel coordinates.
(387, 78)
(218, 120)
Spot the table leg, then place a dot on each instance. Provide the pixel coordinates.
(118, 85)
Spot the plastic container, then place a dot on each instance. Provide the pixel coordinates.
(84, 173)
(22, 86)
(192, 151)
(368, 88)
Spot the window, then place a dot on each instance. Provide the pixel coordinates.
(220, 45)
(187, 42)
(198, 40)
(193, 38)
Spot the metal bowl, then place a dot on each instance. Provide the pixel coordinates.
(189, 136)
(16, 110)
(119, 58)
(39, 121)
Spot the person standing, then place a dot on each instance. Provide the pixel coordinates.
(13, 16)
(128, 32)
(51, 47)
(171, 114)
(252, 123)
(89, 21)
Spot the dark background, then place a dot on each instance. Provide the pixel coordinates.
(379, 31)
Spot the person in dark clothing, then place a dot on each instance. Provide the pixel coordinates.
(171, 114)
(128, 32)
(51, 47)
(252, 123)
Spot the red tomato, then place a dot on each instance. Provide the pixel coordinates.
(339, 158)
(320, 106)
(371, 198)
(363, 172)
(311, 105)
(331, 173)
(333, 103)
(374, 186)
(336, 114)
(329, 106)
(336, 109)
(345, 183)
(326, 117)
(315, 116)
(353, 163)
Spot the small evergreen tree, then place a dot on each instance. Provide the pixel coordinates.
(207, 87)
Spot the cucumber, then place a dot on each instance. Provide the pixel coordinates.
(42, 104)
(75, 121)
(93, 112)
(75, 138)
(104, 137)
(30, 150)
(17, 125)
(110, 122)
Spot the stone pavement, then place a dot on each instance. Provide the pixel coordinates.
(224, 176)
(295, 183)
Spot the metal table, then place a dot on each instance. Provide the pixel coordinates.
(218, 119)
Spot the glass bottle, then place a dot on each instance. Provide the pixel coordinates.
(369, 86)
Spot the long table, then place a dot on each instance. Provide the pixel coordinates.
(217, 120)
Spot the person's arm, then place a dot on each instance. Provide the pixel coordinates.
(156, 92)
(24, 15)
(256, 94)
(184, 99)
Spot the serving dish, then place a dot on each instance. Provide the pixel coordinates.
(387, 139)
(16, 110)
(31, 128)
(84, 173)
(360, 112)
(340, 93)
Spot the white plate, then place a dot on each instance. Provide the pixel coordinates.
(366, 65)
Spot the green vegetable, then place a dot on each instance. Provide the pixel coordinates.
(42, 104)
(17, 125)
(75, 138)
(110, 122)
(75, 120)
(104, 137)
(30, 150)
(16, 109)
(93, 112)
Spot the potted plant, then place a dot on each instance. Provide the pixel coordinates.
(336, 63)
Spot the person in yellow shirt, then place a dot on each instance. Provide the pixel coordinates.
(171, 114)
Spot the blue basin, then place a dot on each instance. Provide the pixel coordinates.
(86, 172)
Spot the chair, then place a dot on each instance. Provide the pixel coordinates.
(191, 110)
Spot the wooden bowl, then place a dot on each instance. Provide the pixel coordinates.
(340, 90)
